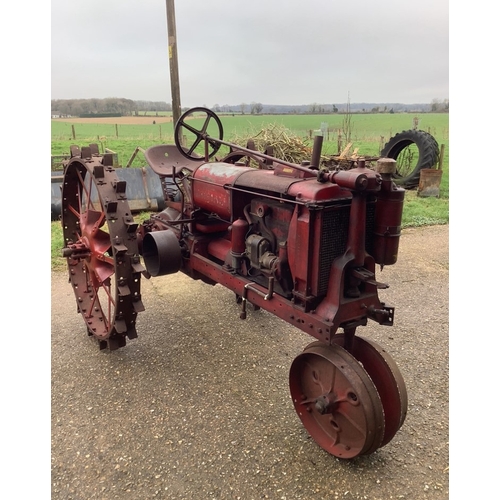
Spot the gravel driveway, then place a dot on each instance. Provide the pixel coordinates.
(198, 406)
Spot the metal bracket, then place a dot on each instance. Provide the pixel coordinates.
(368, 277)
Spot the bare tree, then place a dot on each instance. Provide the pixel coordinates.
(346, 122)
(438, 106)
(255, 108)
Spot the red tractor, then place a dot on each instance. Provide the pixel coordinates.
(299, 241)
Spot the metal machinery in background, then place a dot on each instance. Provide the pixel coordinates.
(295, 240)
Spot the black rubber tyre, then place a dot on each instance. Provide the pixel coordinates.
(413, 150)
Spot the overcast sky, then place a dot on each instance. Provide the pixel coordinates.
(267, 51)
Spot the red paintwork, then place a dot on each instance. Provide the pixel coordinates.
(210, 182)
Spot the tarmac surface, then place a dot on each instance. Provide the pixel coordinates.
(198, 406)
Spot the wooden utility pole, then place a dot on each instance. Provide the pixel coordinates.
(172, 57)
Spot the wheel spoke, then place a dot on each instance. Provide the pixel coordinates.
(205, 124)
(83, 190)
(191, 129)
(194, 146)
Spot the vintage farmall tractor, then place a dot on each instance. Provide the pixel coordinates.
(299, 241)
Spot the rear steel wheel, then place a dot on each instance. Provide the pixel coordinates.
(336, 401)
(236, 156)
(101, 247)
(245, 159)
(387, 378)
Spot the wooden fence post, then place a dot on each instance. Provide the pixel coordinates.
(441, 157)
(116, 129)
(73, 132)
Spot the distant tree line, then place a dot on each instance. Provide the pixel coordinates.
(108, 106)
(256, 108)
(117, 106)
(153, 106)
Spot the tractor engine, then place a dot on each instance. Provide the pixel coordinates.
(282, 229)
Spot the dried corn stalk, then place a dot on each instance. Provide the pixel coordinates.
(291, 148)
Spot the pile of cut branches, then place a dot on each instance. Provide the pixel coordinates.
(347, 159)
(284, 144)
(291, 148)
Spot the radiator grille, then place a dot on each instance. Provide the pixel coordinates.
(333, 240)
(370, 227)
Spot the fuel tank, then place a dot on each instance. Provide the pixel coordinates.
(211, 182)
(218, 186)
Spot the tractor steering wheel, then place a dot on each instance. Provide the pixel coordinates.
(188, 138)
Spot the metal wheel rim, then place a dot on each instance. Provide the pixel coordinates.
(355, 424)
(387, 378)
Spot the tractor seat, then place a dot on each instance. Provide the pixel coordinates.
(164, 157)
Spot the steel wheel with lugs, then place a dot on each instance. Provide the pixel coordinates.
(101, 247)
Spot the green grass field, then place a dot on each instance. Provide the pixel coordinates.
(369, 133)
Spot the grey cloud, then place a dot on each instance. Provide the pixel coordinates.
(274, 52)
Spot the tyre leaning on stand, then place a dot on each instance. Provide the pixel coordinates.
(428, 155)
